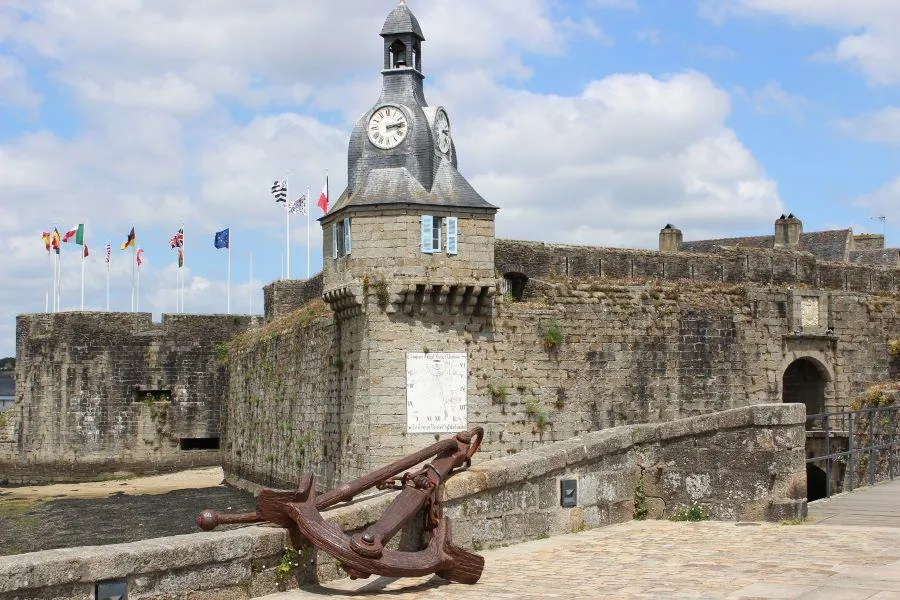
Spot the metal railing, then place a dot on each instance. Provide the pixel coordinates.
(858, 447)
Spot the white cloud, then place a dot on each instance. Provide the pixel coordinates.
(613, 164)
(869, 28)
(772, 99)
(882, 126)
(884, 201)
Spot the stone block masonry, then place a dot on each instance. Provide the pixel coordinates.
(104, 393)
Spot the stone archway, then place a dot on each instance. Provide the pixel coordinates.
(806, 381)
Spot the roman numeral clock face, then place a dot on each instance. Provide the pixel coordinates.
(388, 127)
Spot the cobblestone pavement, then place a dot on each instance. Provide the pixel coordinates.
(661, 559)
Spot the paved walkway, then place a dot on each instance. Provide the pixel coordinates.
(660, 559)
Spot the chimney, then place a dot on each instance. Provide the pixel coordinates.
(669, 238)
(787, 231)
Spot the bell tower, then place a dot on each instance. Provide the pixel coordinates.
(408, 219)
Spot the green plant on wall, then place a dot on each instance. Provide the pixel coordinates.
(221, 353)
(694, 512)
(641, 510)
(381, 293)
(552, 337)
(290, 560)
(536, 414)
(498, 393)
(893, 347)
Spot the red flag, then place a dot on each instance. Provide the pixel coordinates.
(86, 251)
(140, 256)
(323, 199)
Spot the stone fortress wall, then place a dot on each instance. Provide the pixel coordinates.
(103, 393)
(646, 337)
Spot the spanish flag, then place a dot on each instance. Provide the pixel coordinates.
(129, 242)
(45, 236)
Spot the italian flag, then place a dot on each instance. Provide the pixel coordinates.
(76, 232)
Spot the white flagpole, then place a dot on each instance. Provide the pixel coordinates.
(82, 277)
(229, 272)
(251, 283)
(58, 280)
(49, 278)
(287, 221)
(183, 266)
(307, 232)
(83, 242)
(108, 257)
(133, 262)
(137, 296)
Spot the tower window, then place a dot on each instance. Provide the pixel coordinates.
(433, 234)
(340, 238)
(436, 234)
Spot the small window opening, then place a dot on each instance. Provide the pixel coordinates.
(516, 283)
(144, 395)
(188, 444)
(436, 233)
(782, 309)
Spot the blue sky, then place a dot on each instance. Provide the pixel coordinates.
(587, 121)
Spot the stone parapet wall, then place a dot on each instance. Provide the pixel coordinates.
(743, 464)
(233, 564)
(287, 295)
(103, 393)
(538, 260)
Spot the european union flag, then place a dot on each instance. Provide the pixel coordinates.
(221, 240)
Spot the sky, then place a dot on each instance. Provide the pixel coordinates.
(586, 121)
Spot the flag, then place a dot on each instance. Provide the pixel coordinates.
(45, 236)
(221, 239)
(177, 240)
(323, 199)
(76, 232)
(129, 242)
(55, 240)
(279, 190)
(298, 205)
(86, 252)
(140, 256)
(108, 252)
(180, 258)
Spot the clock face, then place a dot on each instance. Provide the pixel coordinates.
(388, 127)
(442, 132)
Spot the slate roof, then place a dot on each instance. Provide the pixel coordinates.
(7, 384)
(401, 20)
(824, 245)
(885, 257)
(396, 185)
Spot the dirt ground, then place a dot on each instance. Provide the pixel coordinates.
(109, 512)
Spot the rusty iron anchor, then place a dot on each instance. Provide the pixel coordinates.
(364, 554)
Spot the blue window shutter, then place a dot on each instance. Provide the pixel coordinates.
(452, 235)
(334, 240)
(347, 236)
(427, 233)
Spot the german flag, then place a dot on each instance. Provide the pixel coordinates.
(129, 242)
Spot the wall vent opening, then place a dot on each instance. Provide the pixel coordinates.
(188, 444)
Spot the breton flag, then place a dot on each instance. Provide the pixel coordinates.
(298, 205)
(45, 236)
(129, 242)
(323, 199)
(76, 232)
(140, 257)
(280, 190)
(108, 252)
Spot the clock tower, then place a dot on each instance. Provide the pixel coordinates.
(408, 223)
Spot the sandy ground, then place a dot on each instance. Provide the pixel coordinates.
(194, 479)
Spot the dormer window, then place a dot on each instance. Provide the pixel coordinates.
(398, 55)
